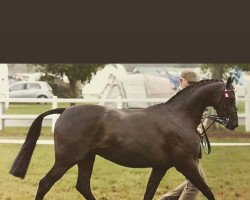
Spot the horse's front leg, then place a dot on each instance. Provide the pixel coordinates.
(190, 170)
(153, 182)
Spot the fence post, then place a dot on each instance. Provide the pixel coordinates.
(54, 117)
(119, 103)
(247, 114)
(247, 108)
(1, 113)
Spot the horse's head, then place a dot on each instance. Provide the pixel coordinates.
(226, 106)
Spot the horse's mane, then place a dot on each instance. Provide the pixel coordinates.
(199, 83)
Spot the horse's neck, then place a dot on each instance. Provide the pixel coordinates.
(195, 101)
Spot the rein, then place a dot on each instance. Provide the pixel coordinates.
(204, 138)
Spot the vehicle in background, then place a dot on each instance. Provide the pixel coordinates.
(30, 89)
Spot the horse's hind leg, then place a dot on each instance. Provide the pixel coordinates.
(85, 168)
(56, 172)
(153, 183)
(191, 172)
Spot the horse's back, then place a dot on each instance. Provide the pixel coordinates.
(78, 127)
(75, 116)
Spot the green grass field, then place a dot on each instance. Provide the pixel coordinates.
(31, 108)
(227, 170)
(241, 107)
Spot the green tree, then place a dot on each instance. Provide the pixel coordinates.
(74, 73)
(221, 71)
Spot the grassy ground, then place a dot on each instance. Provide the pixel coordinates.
(20, 132)
(31, 108)
(241, 107)
(227, 170)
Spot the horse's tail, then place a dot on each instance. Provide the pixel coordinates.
(21, 163)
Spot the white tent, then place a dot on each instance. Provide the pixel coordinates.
(138, 86)
(113, 81)
(101, 80)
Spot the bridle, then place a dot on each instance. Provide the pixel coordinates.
(227, 114)
(223, 120)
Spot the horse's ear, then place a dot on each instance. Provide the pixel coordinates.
(229, 81)
(232, 80)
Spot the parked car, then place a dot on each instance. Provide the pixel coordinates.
(30, 89)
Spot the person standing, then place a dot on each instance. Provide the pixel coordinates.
(186, 190)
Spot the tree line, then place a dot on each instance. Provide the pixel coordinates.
(83, 72)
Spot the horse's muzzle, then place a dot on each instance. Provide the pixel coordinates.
(231, 126)
(232, 121)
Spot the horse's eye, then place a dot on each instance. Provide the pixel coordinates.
(232, 99)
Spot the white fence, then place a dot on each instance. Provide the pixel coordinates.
(244, 118)
(50, 142)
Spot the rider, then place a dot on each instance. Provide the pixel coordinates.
(186, 190)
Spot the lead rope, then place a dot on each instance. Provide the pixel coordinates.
(204, 138)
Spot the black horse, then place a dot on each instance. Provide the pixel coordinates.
(159, 137)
